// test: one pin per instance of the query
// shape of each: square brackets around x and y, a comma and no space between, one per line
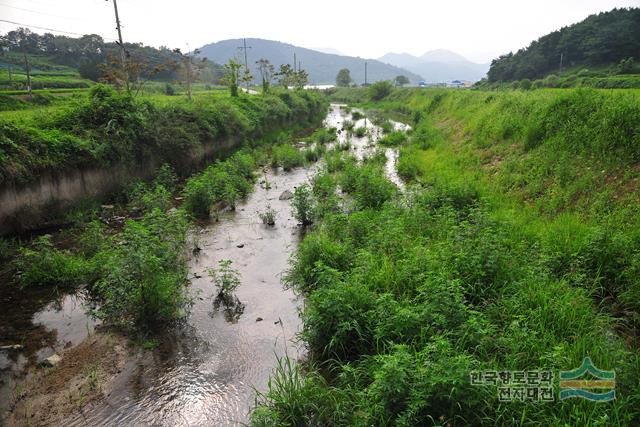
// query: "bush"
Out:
[286,156]
[143,273]
[380,90]
[223,182]
[302,205]
[393,139]
[43,264]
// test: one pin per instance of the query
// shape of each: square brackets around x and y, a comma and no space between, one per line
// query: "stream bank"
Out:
[206,370]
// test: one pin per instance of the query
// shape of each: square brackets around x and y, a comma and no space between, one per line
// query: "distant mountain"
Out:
[438,65]
[329,50]
[442,55]
[600,40]
[322,67]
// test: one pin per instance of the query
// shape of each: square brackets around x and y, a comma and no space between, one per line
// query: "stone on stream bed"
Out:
[51,361]
[286,195]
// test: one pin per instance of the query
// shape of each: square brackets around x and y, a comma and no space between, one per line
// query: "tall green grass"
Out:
[491,260]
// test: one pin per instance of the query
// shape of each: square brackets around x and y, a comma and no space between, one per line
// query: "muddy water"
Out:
[206,371]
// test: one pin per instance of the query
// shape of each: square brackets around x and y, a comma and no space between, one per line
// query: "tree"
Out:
[232,76]
[343,79]
[285,75]
[138,70]
[401,80]
[267,71]
[300,79]
[189,70]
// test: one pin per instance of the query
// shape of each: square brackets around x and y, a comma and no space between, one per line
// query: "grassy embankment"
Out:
[518,249]
[136,269]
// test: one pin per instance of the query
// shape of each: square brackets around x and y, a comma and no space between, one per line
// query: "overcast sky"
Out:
[479,30]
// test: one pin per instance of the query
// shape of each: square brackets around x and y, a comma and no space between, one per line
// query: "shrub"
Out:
[302,204]
[286,156]
[356,115]
[324,135]
[143,273]
[380,90]
[43,264]
[225,182]
[393,139]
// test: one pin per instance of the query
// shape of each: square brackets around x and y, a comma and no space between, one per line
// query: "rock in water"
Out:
[286,195]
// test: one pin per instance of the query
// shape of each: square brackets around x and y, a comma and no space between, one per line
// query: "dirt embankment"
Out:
[84,375]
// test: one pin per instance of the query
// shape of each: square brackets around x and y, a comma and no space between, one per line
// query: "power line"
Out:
[38,12]
[50,29]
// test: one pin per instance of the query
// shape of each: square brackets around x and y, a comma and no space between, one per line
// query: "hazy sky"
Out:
[479,30]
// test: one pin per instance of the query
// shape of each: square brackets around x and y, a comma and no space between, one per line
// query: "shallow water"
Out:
[206,371]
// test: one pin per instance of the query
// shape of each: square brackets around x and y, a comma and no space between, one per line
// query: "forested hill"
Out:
[89,53]
[322,67]
[600,40]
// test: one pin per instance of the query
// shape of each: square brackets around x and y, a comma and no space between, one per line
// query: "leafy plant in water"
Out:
[225,278]
[268,216]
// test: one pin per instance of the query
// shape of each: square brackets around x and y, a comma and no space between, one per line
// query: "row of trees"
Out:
[98,60]
[236,73]
[600,40]
[343,79]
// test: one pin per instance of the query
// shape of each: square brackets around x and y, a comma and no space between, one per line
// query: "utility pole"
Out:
[27,67]
[123,54]
[365,73]
[244,47]
[295,61]
[561,58]
[188,64]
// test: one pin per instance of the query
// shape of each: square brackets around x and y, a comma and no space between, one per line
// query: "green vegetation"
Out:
[302,203]
[380,90]
[225,278]
[76,62]
[286,156]
[343,79]
[393,139]
[222,182]
[517,249]
[268,216]
[107,128]
[613,39]
[360,132]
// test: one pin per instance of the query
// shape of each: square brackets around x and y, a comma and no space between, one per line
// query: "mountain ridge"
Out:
[322,67]
[438,65]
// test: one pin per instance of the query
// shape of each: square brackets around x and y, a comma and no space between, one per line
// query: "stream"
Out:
[206,371]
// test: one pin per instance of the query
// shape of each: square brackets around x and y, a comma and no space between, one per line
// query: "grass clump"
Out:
[360,132]
[286,156]
[223,182]
[393,139]
[42,264]
[268,216]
